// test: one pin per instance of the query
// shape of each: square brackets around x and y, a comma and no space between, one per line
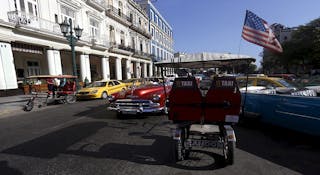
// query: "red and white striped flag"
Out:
[257,31]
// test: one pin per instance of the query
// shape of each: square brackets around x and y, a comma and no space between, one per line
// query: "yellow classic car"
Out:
[269,82]
[132,82]
[101,89]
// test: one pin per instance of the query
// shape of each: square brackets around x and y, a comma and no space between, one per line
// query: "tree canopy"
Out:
[300,54]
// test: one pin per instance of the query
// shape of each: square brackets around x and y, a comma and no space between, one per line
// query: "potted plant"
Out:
[26,87]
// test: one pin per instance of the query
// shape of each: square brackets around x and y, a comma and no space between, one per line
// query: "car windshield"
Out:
[285,83]
[97,84]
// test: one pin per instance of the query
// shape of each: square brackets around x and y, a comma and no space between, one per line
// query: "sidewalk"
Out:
[12,104]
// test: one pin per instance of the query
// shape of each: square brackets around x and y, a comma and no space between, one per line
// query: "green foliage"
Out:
[303,50]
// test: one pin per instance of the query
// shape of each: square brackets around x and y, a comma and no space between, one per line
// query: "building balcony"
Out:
[97,4]
[143,55]
[115,14]
[98,42]
[34,23]
[120,48]
[140,30]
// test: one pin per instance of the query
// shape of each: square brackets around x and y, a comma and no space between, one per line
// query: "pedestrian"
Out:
[50,84]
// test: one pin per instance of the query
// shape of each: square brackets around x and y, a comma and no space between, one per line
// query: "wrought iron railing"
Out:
[96,39]
[140,30]
[116,12]
[141,53]
[121,47]
[24,19]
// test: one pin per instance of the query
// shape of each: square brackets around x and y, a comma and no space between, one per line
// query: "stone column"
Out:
[54,62]
[145,70]
[138,70]
[105,68]
[8,78]
[156,71]
[118,69]
[128,68]
[150,69]
[85,68]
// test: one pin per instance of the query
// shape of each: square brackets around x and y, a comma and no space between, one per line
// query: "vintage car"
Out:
[132,82]
[274,100]
[269,82]
[101,89]
[150,98]
[272,85]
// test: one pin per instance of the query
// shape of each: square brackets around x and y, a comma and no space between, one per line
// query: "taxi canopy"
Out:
[205,60]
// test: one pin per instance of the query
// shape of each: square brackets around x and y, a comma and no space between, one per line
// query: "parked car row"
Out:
[104,88]
[272,85]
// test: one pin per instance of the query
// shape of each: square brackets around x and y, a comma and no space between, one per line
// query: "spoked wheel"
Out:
[70,99]
[29,106]
[228,152]
[180,152]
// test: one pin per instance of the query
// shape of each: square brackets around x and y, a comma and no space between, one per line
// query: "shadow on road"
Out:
[159,153]
[296,151]
[5,169]
[52,144]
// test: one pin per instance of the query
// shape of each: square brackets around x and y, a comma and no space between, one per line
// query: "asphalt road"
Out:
[85,138]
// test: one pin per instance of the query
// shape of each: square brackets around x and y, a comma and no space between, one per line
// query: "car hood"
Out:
[145,91]
[89,89]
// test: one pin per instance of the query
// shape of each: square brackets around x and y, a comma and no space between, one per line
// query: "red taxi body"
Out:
[145,99]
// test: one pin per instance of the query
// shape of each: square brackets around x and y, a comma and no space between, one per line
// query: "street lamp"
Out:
[66,29]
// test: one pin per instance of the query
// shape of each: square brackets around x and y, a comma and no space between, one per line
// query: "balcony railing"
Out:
[121,47]
[23,19]
[139,52]
[115,12]
[95,40]
[140,30]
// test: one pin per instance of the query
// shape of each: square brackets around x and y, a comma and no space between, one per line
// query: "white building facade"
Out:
[162,35]
[115,43]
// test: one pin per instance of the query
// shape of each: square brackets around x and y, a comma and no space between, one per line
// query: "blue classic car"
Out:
[298,113]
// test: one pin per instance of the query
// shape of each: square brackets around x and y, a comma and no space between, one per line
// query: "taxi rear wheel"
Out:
[104,95]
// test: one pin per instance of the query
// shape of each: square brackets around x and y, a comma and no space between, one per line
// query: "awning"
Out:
[205,60]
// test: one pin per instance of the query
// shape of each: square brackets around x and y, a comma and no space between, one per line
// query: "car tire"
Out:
[104,95]
[70,99]
[29,106]
[229,153]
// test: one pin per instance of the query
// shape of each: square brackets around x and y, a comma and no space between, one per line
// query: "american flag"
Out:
[257,31]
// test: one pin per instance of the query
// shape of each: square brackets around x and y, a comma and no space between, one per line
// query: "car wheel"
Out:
[29,106]
[70,99]
[104,95]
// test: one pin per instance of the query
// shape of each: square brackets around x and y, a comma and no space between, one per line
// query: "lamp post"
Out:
[66,29]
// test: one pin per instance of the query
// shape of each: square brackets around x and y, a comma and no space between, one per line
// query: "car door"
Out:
[299,113]
[118,86]
[110,87]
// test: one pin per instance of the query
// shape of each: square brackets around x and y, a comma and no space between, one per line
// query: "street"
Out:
[85,138]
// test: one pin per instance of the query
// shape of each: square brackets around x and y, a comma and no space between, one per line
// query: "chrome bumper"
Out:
[135,106]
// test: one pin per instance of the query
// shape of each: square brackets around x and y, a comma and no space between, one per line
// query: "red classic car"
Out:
[150,98]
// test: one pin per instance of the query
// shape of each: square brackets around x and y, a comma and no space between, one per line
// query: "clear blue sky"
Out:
[216,25]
